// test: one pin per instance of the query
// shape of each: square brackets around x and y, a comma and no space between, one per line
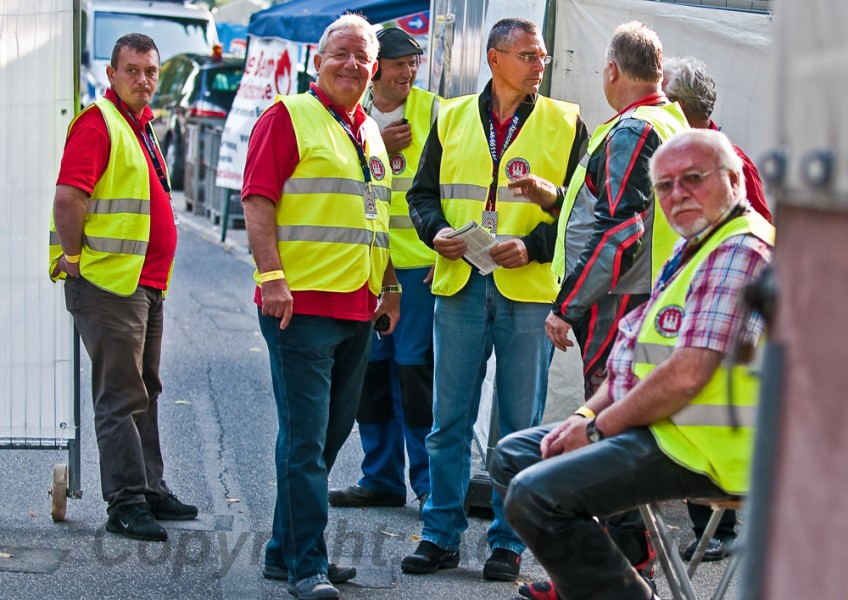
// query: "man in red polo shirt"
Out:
[316,196]
[113,242]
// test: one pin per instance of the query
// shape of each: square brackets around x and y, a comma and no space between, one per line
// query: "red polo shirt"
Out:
[84,162]
[271,159]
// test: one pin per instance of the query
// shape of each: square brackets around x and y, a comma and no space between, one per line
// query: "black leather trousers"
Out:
[551,504]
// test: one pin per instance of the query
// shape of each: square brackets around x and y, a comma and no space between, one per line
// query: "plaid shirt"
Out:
[713,317]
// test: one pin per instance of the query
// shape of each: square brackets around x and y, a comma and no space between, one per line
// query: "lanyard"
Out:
[149,144]
[496,156]
[360,151]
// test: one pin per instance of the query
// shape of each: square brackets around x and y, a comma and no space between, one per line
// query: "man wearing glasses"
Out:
[659,427]
[478,145]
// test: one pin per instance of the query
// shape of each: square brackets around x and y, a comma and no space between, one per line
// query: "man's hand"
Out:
[277,301]
[397,135]
[72,269]
[557,331]
[450,248]
[390,306]
[562,438]
[428,280]
[510,254]
[535,189]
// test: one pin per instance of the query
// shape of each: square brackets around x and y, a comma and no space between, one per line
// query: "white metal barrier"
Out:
[38,404]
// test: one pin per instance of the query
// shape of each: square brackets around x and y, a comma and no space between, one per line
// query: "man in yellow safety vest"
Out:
[659,428]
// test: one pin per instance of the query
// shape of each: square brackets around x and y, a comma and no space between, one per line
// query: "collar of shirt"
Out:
[358,112]
[146,114]
[657,98]
[485,102]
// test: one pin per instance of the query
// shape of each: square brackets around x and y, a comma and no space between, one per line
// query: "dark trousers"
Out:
[551,504]
[701,514]
[317,368]
[123,337]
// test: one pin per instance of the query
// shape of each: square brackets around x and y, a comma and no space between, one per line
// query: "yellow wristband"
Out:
[271,276]
[72,258]
[585,411]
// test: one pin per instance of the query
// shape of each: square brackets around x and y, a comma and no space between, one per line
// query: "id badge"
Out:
[370,200]
[490,221]
[174,210]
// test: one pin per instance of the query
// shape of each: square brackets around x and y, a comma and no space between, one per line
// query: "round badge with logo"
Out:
[517,168]
[669,320]
[398,163]
[378,169]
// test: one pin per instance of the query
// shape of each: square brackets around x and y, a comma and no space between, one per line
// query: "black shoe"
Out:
[356,495]
[429,558]
[335,573]
[170,508]
[502,565]
[716,550]
[135,521]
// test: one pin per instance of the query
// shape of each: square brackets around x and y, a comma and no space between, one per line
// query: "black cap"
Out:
[395,43]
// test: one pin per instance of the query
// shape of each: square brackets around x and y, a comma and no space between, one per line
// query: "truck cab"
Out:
[174,25]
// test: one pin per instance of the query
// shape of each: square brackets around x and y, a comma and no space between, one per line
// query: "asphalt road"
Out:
[218,426]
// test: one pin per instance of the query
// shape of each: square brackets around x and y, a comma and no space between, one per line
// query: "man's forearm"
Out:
[666,389]
[261,224]
[69,208]
[424,197]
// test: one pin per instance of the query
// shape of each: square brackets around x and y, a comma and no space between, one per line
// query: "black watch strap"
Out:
[593,432]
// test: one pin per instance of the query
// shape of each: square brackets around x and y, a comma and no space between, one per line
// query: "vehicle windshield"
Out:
[171,34]
[222,85]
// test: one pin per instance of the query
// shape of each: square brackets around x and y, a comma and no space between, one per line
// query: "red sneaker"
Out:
[538,590]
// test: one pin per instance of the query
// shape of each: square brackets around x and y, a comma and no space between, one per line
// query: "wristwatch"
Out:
[593,433]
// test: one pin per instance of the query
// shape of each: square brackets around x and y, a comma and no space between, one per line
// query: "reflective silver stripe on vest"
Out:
[334,185]
[400,222]
[652,354]
[506,195]
[54,238]
[339,235]
[401,184]
[714,415]
[465,191]
[135,206]
[113,246]
[503,238]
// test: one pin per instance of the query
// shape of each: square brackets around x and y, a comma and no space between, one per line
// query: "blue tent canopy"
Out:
[305,20]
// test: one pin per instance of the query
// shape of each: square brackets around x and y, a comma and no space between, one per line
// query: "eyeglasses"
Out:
[530,58]
[688,181]
[359,58]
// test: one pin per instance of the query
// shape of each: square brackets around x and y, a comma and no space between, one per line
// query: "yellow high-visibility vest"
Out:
[466,174]
[325,240]
[117,224]
[700,436]
[408,251]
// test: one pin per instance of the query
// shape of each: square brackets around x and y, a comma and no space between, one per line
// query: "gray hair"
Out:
[637,51]
[354,23]
[501,34]
[716,141]
[687,81]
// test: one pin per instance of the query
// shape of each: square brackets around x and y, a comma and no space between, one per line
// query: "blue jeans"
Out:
[467,327]
[384,436]
[317,367]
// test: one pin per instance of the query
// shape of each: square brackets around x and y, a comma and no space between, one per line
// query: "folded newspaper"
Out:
[478,242]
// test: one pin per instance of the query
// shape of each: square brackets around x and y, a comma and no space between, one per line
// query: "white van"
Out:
[174,25]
